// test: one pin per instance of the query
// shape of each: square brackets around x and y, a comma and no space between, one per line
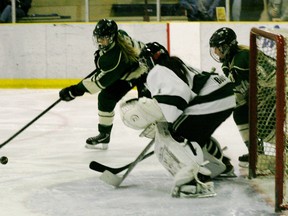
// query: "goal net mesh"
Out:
[267,98]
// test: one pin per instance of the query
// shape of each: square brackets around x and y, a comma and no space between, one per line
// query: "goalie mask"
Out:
[153,53]
[105,33]
[225,40]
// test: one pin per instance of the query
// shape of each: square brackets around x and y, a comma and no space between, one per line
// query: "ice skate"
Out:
[98,142]
[243,161]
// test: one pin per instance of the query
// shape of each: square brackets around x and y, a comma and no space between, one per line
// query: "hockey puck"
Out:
[4,160]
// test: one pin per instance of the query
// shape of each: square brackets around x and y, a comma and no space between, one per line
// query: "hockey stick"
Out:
[31,122]
[36,118]
[94,165]
[115,180]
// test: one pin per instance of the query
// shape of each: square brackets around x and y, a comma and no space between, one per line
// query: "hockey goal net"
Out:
[268,110]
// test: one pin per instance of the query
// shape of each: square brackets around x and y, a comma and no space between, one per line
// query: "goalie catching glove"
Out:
[140,113]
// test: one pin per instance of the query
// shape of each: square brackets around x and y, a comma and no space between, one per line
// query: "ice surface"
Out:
[48,170]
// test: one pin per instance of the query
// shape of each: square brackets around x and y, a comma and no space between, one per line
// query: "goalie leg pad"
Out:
[183,163]
[215,165]
[189,173]
[174,155]
[213,153]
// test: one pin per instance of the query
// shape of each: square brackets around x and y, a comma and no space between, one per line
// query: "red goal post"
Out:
[267,115]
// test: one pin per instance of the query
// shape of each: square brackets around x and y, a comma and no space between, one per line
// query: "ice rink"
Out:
[48,170]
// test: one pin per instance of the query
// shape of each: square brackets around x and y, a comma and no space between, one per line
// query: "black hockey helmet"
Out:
[224,39]
[105,29]
[153,53]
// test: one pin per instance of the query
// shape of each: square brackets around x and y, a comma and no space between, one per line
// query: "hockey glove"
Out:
[69,93]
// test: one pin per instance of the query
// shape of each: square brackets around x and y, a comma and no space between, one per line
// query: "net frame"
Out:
[280,142]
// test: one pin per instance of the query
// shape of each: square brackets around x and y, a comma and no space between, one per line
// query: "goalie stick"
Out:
[115,180]
[98,167]
[94,165]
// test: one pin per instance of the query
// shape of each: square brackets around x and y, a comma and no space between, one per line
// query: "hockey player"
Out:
[117,72]
[188,105]
[224,48]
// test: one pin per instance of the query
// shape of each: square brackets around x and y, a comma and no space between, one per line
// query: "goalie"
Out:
[186,108]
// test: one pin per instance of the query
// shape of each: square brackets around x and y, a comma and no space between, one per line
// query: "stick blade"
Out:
[97,166]
[110,178]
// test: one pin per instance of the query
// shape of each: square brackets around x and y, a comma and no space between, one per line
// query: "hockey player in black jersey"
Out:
[187,106]
[117,72]
[224,48]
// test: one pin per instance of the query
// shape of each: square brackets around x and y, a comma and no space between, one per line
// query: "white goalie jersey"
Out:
[172,97]
[175,97]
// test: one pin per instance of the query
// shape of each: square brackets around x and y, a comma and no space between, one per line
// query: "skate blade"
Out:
[98,146]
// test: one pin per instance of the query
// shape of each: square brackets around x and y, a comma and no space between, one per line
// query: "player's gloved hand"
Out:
[66,94]
[69,93]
